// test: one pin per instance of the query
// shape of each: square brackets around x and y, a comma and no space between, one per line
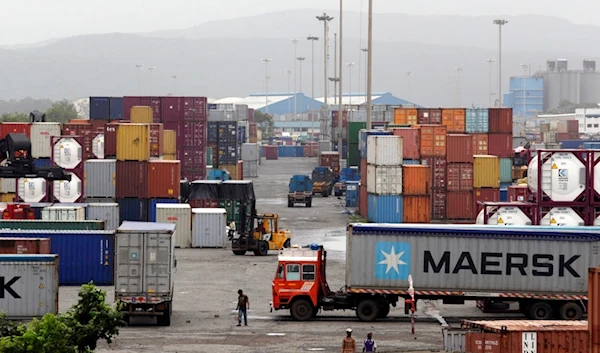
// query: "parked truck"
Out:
[346,175]
[145,270]
[300,190]
[544,269]
[322,178]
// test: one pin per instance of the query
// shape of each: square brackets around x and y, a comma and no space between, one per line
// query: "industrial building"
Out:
[588,119]
[526,96]
[380,98]
[277,103]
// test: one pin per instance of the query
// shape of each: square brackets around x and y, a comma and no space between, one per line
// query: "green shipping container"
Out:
[354,128]
[234,211]
[209,156]
[353,155]
[14,224]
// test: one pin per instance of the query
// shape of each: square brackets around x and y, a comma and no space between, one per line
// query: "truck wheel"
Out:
[263,249]
[570,311]
[290,204]
[302,310]
[384,310]
[287,244]
[309,203]
[540,311]
[239,252]
[165,319]
[367,310]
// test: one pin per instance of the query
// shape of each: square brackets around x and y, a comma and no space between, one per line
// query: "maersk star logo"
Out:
[392,260]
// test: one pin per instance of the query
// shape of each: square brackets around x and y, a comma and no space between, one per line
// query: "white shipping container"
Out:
[562,217]
[250,169]
[180,214]
[563,176]
[63,213]
[67,153]
[384,150]
[68,191]
[384,180]
[324,146]
[98,146]
[30,285]
[108,212]
[8,186]
[32,189]
[209,228]
[41,139]
[250,152]
[99,178]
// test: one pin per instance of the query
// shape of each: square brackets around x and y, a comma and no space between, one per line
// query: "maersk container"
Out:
[384,150]
[562,217]
[563,176]
[385,208]
[506,165]
[471,258]
[152,203]
[32,189]
[384,180]
[85,255]
[100,178]
[135,210]
[30,285]
[209,228]
[106,212]
[180,215]
[16,224]
[41,136]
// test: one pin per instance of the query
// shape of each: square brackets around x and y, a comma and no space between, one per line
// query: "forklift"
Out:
[264,235]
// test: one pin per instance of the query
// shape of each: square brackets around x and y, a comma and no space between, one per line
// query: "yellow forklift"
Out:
[265,235]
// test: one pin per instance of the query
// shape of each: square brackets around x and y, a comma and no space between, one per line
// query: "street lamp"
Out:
[408,75]
[139,67]
[267,61]
[500,23]
[458,71]
[301,59]
[335,81]
[370,66]
[350,66]
[341,63]
[313,39]
[325,19]
[491,62]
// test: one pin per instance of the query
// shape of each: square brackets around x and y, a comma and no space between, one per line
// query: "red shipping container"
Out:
[480,144]
[250,115]
[459,148]
[438,204]
[334,117]
[85,132]
[460,205]
[15,128]
[110,140]
[98,125]
[164,179]
[562,136]
[156,140]
[195,109]
[459,176]
[363,207]
[329,159]
[271,152]
[501,145]
[311,150]
[24,245]
[363,171]
[132,179]
[484,195]
[433,141]
[252,130]
[573,126]
[438,171]
[198,174]
[518,193]
[410,142]
[573,136]
[192,159]
[204,203]
[429,116]
[240,170]
[171,109]
[153,102]
[501,120]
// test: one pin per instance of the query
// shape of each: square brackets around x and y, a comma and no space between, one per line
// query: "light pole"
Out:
[491,62]
[525,68]
[295,41]
[365,50]
[335,81]
[325,19]
[500,23]
[341,65]
[139,67]
[151,69]
[174,84]
[300,59]
[408,75]
[289,75]
[350,66]
[313,39]
[267,61]
[370,66]
[458,71]
[335,75]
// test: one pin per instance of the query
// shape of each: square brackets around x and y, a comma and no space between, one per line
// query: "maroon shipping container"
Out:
[501,145]
[411,142]
[334,118]
[24,245]
[198,174]
[562,136]
[438,171]
[98,125]
[251,129]
[573,136]
[195,109]
[501,120]
[438,204]
[171,109]
[484,195]
[329,159]
[153,102]
[204,203]
[459,177]
[132,179]
[363,171]
[86,134]
[215,153]
[194,134]
[193,159]
[156,140]
[363,205]
[459,205]
[271,152]
[573,126]
[251,115]
[429,116]
[311,150]
[110,140]
[164,179]
[459,148]
[518,193]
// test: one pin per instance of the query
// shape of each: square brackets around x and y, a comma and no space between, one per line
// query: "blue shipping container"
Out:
[116,108]
[573,144]
[152,207]
[83,256]
[352,193]
[503,195]
[385,208]
[300,183]
[344,154]
[506,165]
[287,151]
[591,145]
[135,210]
[477,121]
[42,162]
[362,143]
[241,134]
[299,151]
[99,108]
[411,161]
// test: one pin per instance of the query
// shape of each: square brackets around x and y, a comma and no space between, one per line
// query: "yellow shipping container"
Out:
[486,171]
[7,197]
[133,142]
[231,168]
[141,115]
[169,157]
[405,116]
[170,141]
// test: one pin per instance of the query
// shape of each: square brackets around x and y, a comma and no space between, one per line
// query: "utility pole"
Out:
[174,84]
[341,66]
[491,62]
[151,69]
[313,39]
[350,66]
[335,75]
[365,51]
[267,61]
[325,19]
[301,59]
[370,67]
[500,23]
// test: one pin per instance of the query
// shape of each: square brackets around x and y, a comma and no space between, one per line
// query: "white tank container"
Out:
[562,216]
[492,218]
[563,177]
[68,153]
[41,139]
[8,185]
[98,146]
[32,189]
[384,150]
[209,228]
[384,180]
[181,215]
[63,213]
[68,191]
[511,216]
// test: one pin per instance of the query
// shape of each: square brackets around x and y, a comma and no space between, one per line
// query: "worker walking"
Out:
[370,345]
[242,307]
[349,344]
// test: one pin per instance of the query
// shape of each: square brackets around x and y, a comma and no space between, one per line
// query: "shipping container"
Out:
[438,204]
[501,145]
[363,201]
[250,169]
[68,153]
[209,228]
[131,179]
[384,150]
[163,179]
[459,176]
[438,171]
[63,213]
[250,152]
[141,115]
[181,215]
[31,282]
[27,246]
[416,209]
[156,140]
[459,148]
[12,197]
[169,157]
[100,178]
[8,186]
[170,141]
[84,131]
[116,108]
[110,140]
[384,180]
[484,195]
[41,135]
[459,205]
[477,121]
[15,128]
[506,166]
[405,116]
[486,172]
[385,208]
[154,102]
[454,120]
[518,193]
[32,189]
[416,180]
[107,212]
[411,142]
[433,141]
[133,209]
[362,143]
[429,116]
[171,109]
[38,224]
[501,120]
[153,203]
[99,108]
[354,128]
[133,142]
[480,144]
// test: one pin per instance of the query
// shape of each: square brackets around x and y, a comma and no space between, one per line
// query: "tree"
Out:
[14,117]
[566,107]
[265,123]
[61,112]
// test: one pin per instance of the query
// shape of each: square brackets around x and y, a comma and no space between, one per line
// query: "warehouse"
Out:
[378,98]
[278,103]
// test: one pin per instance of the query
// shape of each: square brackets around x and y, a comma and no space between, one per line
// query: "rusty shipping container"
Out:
[433,141]
[459,148]
[438,204]
[429,116]
[518,193]
[131,179]
[24,245]
[454,120]
[110,140]
[133,142]
[86,135]
[459,177]
[501,145]
[163,179]
[484,195]
[416,180]
[416,209]
[411,142]
[501,120]
[459,205]
[438,171]
[405,116]
[156,140]
[480,144]
[15,128]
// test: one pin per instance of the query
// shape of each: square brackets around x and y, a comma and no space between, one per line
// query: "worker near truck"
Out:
[370,345]
[349,344]
[242,307]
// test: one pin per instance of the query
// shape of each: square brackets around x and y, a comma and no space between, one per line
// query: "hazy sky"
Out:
[26,21]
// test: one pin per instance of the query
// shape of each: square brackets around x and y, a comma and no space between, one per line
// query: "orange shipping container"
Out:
[405,116]
[417,209]
[454,120]
[163,179]
[416,180]
[480,144]
[433,141]
[24,245]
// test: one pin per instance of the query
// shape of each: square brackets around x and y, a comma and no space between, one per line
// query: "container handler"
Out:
[300,191]
[322,178]
[264,236]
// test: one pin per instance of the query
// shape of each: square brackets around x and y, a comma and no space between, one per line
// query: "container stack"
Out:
[223,140]
[353,157]
[343,130]
[459,177]
[332,160]
[433,154]
[68,153]
[362,168]
[250,157]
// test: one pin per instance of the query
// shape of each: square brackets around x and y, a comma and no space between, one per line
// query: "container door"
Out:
[157,263]
[129,263]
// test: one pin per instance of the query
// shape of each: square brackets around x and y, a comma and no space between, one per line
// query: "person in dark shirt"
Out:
[242,307]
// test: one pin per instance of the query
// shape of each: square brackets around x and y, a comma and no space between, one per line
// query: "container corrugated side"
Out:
[410,142]
[181,215]
[384,180]
[30,285]
[141,115]
[459,148]
[433,141]
[100,178]
[459,177]
[486,171]
[416,209]
[209,228]
[170,141]
[85,255]
[459,205]
[385,208]
[506,165]
[33,224]
[484,195]
[163,179]
[433,259]
[41,135]
[26,246]
[384,150]
[131,179]
[63,213]
[107,212]
[133,142]
[133,209]
[480,144]
[416,179]
[152,203]
[477,121]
